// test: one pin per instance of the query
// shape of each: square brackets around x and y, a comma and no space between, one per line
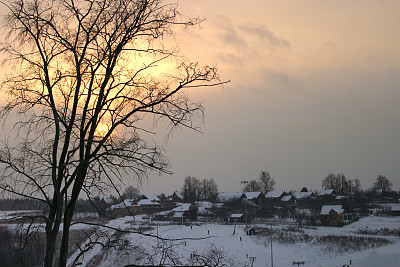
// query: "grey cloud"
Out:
[262,32]
[229,33]
[237,35]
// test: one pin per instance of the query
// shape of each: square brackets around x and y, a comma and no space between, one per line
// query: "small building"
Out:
[396,210]
[148,206]
[288,202]
[332,215]
[251,231]
[236,217]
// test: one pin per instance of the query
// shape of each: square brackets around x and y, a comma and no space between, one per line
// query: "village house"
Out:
[332,215]
[256,197]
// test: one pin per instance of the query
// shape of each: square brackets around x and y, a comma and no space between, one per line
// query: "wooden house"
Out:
[332,215]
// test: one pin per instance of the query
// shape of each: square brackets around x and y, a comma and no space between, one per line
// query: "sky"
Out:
[314,89]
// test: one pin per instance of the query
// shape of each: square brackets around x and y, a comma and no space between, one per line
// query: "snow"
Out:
[286,198]
[326,192]
[275,194]
[151,197]
[148,202]
[252,195]
[183,207]
[234,241]
[123,204]
[229,196]
[302,195]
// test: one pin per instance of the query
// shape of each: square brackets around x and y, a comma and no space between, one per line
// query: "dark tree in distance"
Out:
[267,183]
[131,192]
[190,189]
[208,189]
[84,78]
[339,183]
[382,183]
[252,186]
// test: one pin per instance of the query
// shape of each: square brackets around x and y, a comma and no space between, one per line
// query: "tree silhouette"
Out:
[85,76]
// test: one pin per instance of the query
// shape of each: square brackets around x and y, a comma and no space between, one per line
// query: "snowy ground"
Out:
[243,247]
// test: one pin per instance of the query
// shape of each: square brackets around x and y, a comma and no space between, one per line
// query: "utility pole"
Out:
[245,202]
[245,210]
[272,257]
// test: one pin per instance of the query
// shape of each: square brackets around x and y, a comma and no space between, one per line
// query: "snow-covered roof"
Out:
[395,207]
[236,215]
[148,202]
[252,195]
[203,211]
[326,192]
[151,197]
[178,194]
[326,209]
[341,197]
[123,204]
[302,195]
[229,196]
[286,198]
[205,204]
[183,207]
[275,194]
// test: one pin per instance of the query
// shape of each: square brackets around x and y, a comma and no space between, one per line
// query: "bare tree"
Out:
[191,189]
[209,189]
[252,186]
[84,78]
[131,192]
[267,183]
[337,182]
[382,183]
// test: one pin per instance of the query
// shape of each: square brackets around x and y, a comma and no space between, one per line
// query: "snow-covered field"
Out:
[243,248]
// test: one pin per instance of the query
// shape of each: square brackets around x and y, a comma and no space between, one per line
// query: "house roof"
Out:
[148,202]
[326,192]
[286,198]
[205,204]
[178,194]
[252,195]
[229,196]
[275,194]
[236,215]
[203,211]
[150,197]
[303,195]
[325,210]
[396,207]
[182,207]
[123,204]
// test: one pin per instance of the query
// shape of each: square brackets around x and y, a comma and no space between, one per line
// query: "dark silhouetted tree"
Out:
[252,186]
[83,76]
[382,183]
[267,183]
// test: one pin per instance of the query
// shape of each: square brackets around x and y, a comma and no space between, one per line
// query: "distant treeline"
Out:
[7,204]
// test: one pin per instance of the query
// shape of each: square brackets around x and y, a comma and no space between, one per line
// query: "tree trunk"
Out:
[52,227]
